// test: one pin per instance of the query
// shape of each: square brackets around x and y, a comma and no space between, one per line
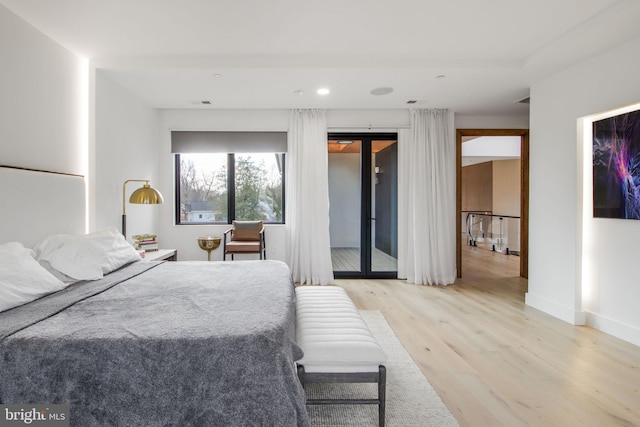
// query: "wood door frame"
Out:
[524,191]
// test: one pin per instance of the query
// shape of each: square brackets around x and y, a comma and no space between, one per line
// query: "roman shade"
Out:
[228,142]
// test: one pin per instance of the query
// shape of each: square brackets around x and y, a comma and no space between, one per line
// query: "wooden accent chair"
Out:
[245,237]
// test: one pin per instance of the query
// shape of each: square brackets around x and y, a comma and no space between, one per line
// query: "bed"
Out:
[160,343]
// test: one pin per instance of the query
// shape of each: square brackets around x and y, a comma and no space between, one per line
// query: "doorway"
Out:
[363,200]
[524,191]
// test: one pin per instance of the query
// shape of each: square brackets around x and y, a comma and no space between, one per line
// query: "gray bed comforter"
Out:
[161,344]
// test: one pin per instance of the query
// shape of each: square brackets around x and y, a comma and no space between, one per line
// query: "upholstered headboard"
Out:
[35,204]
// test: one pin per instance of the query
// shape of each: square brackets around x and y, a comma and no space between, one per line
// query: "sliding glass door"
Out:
[363,183]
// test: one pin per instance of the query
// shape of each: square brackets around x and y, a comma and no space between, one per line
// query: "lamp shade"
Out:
[146,196]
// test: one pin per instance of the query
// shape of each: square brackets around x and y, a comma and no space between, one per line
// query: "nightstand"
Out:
[161,255]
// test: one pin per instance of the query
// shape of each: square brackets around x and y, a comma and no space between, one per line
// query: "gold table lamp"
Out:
[146,195]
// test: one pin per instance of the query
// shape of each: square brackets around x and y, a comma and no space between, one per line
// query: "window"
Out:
[222,176]
[220,187]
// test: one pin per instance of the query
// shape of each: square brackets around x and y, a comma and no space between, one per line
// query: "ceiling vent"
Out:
[411,101]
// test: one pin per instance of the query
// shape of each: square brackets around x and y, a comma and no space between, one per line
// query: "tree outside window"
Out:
[220,187]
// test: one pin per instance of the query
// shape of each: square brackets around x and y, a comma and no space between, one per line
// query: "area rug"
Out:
[411,401]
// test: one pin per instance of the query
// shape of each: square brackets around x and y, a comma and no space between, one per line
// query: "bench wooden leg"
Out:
[382,394]
[380,378]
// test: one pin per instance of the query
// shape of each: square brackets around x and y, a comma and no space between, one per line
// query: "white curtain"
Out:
[307,198]
[426,199]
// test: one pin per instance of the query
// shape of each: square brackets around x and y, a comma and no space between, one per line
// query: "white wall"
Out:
[389,120]
[344,200]
[184,237]
[556,251]
[126,146]
[520,121]
[42,100]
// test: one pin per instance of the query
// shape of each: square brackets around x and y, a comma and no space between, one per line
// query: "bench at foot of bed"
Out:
[338,346]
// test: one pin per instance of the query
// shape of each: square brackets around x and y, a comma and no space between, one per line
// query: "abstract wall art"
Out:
[616,166]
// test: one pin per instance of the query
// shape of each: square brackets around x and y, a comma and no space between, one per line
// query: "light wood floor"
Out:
[496,362]
[348,259]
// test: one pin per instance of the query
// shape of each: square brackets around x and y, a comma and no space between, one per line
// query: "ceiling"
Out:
[489,148]
[276,54]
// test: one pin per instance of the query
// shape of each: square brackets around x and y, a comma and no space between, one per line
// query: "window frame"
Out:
[231,192]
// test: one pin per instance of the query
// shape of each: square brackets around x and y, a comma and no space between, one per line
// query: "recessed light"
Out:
[217,75]
[345,142]
[323,91]
[441,76]
[411,101]
[205,102]
[298,92]
[381,91]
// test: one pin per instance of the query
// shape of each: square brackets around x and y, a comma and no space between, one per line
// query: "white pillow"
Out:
[92,256]
[22,279]
[47,247]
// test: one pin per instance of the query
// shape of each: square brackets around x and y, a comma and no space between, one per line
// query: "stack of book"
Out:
[146,242]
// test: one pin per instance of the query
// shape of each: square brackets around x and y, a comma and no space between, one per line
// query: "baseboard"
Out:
[614,327]
[554,309]
[605,324]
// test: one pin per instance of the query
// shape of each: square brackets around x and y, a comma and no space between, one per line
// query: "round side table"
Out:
[209,244]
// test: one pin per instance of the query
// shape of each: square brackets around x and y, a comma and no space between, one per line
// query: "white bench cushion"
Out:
[332,334]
